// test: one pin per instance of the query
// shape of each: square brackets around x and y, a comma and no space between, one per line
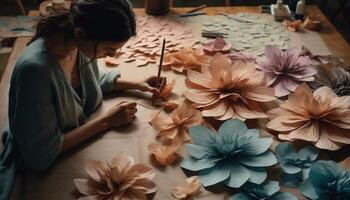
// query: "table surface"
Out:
[334,41]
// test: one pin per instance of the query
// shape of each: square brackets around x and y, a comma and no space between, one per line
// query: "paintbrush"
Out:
[159,71]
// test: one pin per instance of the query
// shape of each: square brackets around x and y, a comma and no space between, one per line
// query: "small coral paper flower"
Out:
[321,118]
[235,155]
[175,127]
[190,189]
[118,179]
[224,90]
[286,70]
[327,180]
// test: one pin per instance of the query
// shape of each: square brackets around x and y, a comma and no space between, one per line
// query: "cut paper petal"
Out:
[166,92]
[175,126]
[165,154]
[223,156]
[268,190]
[186,59]
[217,45]
[224,90]
[285,70]
[189,190]
[118,179]
[170,106]
[293,26]
[111,61]
[321,118]
[327,180]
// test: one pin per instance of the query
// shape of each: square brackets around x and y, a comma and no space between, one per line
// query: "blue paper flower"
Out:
[295,165]
[327,181]
[234,155]
[268,190]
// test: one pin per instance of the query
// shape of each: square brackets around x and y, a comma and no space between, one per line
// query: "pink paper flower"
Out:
[225,91]
[217,45]
[286,70]
[118,179]
[175,127]
[321,118]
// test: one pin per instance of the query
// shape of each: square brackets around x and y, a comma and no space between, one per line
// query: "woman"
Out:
[56,85]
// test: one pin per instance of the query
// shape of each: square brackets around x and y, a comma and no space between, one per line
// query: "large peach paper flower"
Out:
[175,127]
[321,118]
[224,90]
[118,179]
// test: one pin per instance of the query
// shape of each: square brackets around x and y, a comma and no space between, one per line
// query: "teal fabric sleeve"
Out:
[32,116]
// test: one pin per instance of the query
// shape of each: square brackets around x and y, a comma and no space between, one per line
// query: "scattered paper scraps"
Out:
[145,47]
[248,37]
[185,59]
[165,154]
[111,61]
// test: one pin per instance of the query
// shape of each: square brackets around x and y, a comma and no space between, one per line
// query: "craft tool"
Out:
[239,19]
[213,34]
[197,8]
[192,14]
[159,70]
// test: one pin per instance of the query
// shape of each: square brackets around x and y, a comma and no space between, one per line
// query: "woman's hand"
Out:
[121,114]
[146,85]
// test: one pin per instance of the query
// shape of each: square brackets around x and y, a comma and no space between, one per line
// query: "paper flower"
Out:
[235,155]
[190,189]
[321,118]
[185,59]
[225,91]
[120,178]
[320,60]
[269,190]
[170,106]
[293,26]
[217,45]
[165,154]
[165,93]
[176,125]
[295,165]
[286,70]
[336,78]
[327,180]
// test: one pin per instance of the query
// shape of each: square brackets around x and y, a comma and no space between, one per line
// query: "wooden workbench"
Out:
[334,41]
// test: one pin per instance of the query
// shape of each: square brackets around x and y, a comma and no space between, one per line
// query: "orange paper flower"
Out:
[225,91]
[118,179]
[321,118]
[165,154]
[185,59]
[175,127]
[166,91]
[191,188]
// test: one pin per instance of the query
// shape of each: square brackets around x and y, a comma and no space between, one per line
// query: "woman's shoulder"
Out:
[33,60]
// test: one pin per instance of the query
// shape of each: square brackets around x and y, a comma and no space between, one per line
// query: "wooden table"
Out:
[335,42]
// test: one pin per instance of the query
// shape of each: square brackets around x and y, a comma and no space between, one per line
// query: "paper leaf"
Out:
[111,61]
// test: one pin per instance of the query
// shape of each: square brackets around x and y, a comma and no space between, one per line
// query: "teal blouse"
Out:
[43,106]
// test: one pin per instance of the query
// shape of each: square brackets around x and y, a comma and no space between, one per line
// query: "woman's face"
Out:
[93,49]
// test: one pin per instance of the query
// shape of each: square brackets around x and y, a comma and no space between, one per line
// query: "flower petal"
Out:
[255,148]
[214,175]
[309,132]
[193,164]
[263,160]
[232,127]
[238,175]
[257,174]
[200,135]
[95,169]
[197,151]
[82,185]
